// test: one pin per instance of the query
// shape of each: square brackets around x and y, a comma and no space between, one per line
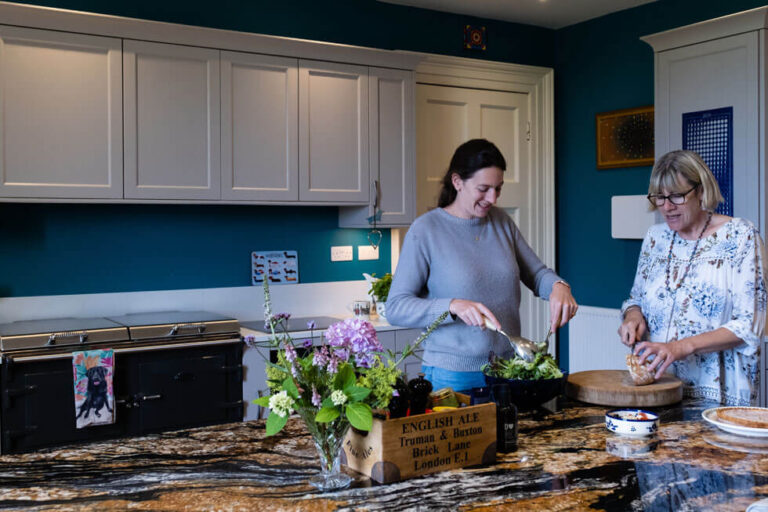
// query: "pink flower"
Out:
[316,400]
[290,353]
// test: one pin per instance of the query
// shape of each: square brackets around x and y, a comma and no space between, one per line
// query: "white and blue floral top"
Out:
[725,287]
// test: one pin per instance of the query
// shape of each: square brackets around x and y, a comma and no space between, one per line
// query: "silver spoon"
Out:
[523,347]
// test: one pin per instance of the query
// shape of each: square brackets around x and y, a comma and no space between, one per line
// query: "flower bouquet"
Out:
[331,386]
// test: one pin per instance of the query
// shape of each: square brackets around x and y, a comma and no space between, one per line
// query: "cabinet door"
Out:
[392,164]
[259,127]
[333,132]
[172,125]
[61,132]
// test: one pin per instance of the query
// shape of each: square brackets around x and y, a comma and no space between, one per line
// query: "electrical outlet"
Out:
[366,252]
[341,253]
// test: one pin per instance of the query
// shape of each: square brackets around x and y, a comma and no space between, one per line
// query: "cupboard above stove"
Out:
[132,110]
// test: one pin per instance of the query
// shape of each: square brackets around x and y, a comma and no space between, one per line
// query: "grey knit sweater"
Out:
[482,259]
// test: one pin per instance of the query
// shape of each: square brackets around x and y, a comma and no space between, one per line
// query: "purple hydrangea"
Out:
[356,336]
[342,354]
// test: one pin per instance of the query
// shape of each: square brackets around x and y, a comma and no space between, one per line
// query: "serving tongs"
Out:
[524,348]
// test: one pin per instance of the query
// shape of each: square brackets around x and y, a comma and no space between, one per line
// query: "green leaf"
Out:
[360,416]
[327,414]
[357,393]
[345,377]
[262,401]
[275,423]
[290,387]
[328,402]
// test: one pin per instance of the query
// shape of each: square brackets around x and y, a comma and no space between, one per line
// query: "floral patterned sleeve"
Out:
[641,275]
[749,292]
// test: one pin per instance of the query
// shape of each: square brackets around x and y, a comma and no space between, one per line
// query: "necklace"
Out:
[685,272]
[690,261]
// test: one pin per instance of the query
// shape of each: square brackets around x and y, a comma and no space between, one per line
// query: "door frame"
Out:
[538,83]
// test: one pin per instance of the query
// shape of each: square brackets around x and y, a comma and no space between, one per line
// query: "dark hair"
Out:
[468,158]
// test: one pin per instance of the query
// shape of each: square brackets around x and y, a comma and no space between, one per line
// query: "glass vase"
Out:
[328,439]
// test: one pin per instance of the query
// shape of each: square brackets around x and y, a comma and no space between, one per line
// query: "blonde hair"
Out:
[688,165]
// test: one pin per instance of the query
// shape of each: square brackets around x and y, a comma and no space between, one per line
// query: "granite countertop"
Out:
[566,460]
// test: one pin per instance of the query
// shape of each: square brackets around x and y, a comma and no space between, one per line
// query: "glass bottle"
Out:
[420,389]
[506,419]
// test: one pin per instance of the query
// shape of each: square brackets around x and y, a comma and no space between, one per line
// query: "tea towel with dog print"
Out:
[94,394]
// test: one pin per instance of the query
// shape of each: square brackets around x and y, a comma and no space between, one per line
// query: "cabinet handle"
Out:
[375,186]
[81,335]
[144,398]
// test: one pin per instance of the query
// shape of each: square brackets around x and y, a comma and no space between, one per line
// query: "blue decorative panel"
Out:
[710,134]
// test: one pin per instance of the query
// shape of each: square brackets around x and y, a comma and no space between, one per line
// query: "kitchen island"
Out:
[566,460]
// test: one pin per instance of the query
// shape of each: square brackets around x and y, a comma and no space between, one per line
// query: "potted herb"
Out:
[380,291]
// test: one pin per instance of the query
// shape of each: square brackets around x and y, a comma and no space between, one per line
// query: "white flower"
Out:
[338,397]
[281,404]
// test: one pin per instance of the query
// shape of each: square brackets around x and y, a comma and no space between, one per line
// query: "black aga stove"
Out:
[171,370]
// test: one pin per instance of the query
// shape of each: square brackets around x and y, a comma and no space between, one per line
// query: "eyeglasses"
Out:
[658,199]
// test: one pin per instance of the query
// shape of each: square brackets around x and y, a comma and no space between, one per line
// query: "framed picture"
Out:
[624,138]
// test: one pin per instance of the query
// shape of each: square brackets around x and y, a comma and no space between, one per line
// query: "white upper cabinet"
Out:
[172,122]
[333,132]
[259,127]
[60,115]
[391,135]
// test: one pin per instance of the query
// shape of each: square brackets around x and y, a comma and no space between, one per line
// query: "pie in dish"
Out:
[639,372]
[755,417]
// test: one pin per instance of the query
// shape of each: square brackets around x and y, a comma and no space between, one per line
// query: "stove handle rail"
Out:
[54,337]
[177,329]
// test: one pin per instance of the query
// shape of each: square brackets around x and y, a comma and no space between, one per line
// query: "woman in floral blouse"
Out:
[699,293]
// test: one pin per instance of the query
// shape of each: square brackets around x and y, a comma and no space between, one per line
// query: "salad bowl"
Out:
[531,384]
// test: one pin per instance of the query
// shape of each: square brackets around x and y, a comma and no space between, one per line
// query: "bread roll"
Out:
[639,372]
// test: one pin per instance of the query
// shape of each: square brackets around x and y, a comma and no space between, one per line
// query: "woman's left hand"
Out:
[664,355]
[562,305]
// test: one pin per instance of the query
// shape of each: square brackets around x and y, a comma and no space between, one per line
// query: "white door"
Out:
[61,120]
[259,127]
[448,116]
[172,122]
[710,75]
[333,132]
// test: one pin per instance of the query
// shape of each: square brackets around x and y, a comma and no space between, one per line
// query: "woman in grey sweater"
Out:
[468,257]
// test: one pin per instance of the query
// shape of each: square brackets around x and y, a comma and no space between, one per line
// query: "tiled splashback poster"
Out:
[282,267]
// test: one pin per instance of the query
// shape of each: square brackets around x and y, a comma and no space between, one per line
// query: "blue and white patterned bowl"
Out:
[632,422]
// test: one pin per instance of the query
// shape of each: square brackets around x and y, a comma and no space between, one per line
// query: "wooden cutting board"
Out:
[615,387]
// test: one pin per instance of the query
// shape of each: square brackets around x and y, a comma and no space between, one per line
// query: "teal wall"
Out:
[601,65]
[67,249]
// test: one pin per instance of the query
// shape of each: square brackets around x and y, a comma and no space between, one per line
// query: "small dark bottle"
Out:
[398,405]
[506,419]
[420,389]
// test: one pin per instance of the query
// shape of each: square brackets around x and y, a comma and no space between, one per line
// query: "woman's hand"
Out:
[633,328]
[665,354]
[562,305]
[472,313]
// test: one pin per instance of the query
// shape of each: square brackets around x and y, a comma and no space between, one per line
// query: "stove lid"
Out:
[58,332]
[296,324]
[174,324]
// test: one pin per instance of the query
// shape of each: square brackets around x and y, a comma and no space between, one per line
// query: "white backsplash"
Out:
[242,302]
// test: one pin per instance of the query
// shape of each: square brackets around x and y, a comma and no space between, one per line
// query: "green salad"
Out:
[542,367]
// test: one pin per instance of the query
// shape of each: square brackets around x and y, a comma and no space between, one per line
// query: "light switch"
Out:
[367,252]
[341,253]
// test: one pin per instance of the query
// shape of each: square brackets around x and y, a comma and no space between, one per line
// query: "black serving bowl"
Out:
[529,394]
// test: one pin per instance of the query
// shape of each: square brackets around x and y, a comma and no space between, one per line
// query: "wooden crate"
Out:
[402,448]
